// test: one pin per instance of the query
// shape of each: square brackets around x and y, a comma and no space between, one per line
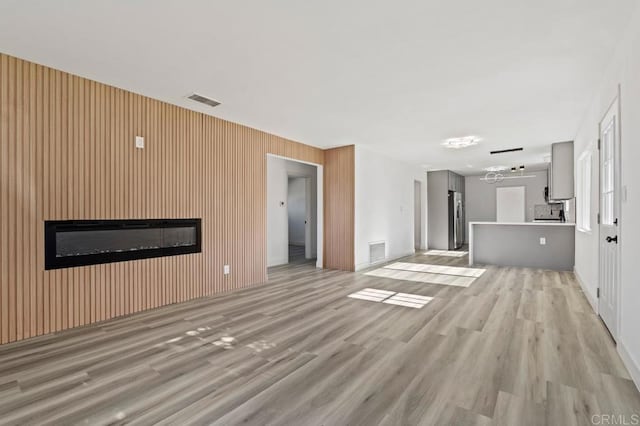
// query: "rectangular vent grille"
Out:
[204,100]
[377,251]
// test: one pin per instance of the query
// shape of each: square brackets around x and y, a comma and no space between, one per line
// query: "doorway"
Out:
[298,218]
[609,228]
[294,211]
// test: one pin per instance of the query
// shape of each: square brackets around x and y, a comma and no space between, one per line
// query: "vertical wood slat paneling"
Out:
[339,208]
[67,152]
[4,200]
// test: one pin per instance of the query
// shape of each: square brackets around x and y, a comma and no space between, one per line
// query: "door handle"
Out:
[612,239]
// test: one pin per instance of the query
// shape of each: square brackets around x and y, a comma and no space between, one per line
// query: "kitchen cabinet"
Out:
[561,172]
[455,182]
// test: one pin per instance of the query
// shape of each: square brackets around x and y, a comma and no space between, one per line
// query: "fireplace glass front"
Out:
[81,243]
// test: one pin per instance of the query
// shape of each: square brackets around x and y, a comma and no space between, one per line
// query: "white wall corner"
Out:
[591,298]
[386,186]
[629,362]
[278,261]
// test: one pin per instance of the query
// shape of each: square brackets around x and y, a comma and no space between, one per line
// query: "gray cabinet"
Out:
[438,209]
[561,172]
[455,182]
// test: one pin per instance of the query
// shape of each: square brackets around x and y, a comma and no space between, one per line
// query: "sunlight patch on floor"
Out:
[422,277]
[261,345]
[392,298]
[371,294]
[437,269]
[226,342]
[407,299]
[450,253]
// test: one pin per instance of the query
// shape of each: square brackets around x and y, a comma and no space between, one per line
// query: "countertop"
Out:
[525,223]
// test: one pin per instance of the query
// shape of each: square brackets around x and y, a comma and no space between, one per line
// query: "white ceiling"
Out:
[399,77]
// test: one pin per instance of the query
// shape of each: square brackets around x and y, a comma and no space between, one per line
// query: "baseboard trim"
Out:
[590,298]
[362,266]
[630,363]
[278,262]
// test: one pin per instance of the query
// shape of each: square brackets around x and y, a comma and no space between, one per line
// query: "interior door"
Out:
[608,303]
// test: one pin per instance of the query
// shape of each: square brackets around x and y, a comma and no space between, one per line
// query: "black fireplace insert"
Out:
[70,243]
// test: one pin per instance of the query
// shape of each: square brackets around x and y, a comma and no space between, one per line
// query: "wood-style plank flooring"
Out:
[515,347]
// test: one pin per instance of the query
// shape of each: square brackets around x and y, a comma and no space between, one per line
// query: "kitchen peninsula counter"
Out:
[541,245]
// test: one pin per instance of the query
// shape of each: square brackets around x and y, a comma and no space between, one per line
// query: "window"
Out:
[607,178]
[583,202]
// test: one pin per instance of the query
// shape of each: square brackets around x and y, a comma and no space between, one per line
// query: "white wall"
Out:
[278,172]
[384,206]
[297,210]
[624,71]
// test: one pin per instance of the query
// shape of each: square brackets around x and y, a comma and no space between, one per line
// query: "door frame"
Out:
[615,103]
[319,204]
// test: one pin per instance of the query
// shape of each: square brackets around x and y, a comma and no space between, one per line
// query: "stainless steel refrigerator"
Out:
[456,220]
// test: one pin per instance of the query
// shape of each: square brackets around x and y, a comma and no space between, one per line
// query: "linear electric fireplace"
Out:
[71,243]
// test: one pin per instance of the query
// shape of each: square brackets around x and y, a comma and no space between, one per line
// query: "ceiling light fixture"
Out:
[496,169]
[504,151]
[495,176]
[463,142]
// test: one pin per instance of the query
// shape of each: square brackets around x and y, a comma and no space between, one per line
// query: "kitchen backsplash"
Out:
[548,211]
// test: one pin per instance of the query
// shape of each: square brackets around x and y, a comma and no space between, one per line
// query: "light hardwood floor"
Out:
[515,347]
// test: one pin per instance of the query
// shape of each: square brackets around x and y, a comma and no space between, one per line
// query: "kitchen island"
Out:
[541,245]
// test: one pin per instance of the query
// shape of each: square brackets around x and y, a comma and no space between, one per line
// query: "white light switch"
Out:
[139,142]
[227,269]
[543,241]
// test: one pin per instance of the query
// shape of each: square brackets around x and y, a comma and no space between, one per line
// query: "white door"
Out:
[510,204]
[609,213]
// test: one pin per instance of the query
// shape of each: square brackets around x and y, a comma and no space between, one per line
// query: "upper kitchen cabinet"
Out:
[456,182]
[561,172]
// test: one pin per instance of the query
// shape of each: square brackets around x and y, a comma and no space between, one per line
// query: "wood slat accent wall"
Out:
[339,208]
[67,152]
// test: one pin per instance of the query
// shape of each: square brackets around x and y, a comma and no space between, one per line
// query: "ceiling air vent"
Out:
[204,100]
[504,151]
